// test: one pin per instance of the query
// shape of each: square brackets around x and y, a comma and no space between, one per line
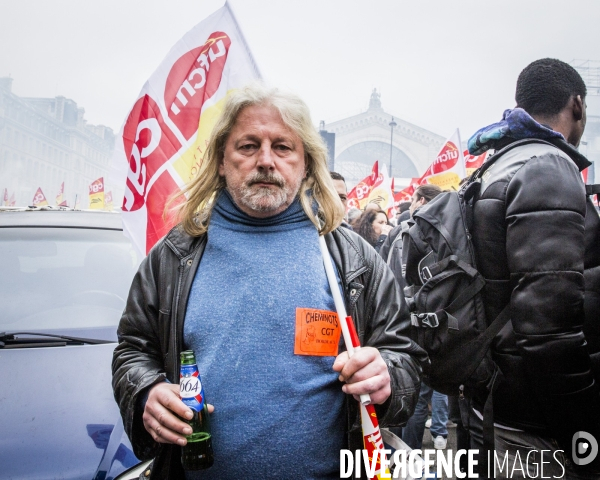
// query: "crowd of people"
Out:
[386,237]
[232,281]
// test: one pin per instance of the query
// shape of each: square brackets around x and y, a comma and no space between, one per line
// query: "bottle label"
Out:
[190,387]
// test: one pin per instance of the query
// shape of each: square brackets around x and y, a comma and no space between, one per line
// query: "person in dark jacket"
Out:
[241,281]
[536,243]
[402,212]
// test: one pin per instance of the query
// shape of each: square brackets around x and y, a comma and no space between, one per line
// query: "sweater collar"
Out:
[226,211]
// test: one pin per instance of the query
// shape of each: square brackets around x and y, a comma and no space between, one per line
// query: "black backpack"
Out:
[443,294]
[443,291]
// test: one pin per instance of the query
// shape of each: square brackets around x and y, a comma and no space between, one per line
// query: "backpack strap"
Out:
[592,189]
[489,443]
[437,268]
[494,158]
[432,320]
[488,407]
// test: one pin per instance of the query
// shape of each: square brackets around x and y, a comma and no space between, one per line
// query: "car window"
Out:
[64,279]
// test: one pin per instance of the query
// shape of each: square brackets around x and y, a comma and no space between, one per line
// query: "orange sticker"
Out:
[317,332]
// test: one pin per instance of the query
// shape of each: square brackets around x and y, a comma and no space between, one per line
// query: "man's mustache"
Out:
[266,178]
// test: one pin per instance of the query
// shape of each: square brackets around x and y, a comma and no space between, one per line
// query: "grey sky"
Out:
[438,64]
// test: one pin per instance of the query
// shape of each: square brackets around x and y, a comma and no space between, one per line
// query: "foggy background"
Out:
[436,64]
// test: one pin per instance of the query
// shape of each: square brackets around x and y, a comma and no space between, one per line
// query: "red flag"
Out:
[96,194]
[473,162]
[448,169]
[359,195]
[39,199]
[12,202]
[406,194]
[6,196]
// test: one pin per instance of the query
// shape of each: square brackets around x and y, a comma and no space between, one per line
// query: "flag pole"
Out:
[348,330]
[241,34]
[372,438]
[461,157]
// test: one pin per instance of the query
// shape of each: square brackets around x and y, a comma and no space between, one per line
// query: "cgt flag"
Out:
[12,202]
[448,169]
[39,199]
[383,194]
[59,198]
[161,144]
[376,188]
[473,162]
[358,197]
[405,195]
[97,194]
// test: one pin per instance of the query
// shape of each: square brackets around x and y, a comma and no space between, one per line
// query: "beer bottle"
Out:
[198,452]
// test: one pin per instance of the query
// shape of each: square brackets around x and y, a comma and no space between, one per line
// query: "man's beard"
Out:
[266,199]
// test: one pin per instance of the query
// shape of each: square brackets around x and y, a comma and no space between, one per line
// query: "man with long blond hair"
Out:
[240,281]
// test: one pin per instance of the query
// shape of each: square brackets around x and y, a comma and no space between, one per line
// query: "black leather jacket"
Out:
[151,334]
[537,245]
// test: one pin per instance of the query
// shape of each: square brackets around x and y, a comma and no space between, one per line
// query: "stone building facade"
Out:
[47,141]
[590,142]
[361,139]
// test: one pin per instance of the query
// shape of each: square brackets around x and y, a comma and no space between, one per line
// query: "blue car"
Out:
[64,280]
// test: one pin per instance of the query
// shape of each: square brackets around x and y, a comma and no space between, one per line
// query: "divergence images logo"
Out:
[585,448]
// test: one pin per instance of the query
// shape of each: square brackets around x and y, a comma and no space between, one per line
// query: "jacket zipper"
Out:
[174,325]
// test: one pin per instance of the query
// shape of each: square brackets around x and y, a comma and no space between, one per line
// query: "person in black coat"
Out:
[536,244]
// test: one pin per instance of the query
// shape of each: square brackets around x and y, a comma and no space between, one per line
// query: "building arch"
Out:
[368,151]
[362,139]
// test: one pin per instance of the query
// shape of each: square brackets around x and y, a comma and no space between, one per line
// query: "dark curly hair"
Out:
[365,226]
[545,86]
